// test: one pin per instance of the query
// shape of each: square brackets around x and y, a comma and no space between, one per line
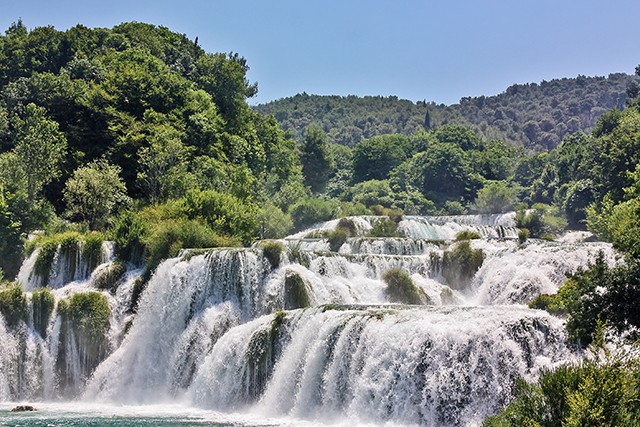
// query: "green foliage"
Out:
[13,305]
[296,291]
[523,235]
[93,193]
[40,148]
[128,232]
[541,219]
[467,235]
[43,303]
[224,213]
[375,158]
[272,251]
[400,288]
[494,197]
[537,116]
[70,241]
[316,158]
[461,264]
[273,223]
[385,227]
[309,211]
[89,312]
[599,391]
[169,236]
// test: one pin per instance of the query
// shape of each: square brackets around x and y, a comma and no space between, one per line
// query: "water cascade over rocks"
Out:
[320,337]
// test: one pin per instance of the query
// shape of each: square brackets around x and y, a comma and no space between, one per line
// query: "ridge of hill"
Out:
[534,115]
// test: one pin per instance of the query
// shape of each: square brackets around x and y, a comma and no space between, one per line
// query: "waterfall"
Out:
[315,338]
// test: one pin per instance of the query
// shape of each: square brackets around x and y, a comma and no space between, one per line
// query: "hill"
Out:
[536,116]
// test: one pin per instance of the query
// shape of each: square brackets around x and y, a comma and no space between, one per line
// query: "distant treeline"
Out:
[536,116]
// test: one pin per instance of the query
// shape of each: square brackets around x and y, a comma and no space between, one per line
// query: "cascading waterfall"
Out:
[315,337]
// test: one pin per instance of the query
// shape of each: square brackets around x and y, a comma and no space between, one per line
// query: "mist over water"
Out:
[315,339]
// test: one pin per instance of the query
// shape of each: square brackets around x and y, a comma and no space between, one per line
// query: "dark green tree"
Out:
[316,159]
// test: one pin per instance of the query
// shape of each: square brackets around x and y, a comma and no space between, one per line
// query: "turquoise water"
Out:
[80,415]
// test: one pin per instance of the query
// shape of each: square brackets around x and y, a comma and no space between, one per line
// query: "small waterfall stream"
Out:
[314,338]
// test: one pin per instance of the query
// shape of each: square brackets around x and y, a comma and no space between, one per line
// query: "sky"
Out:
[433,50]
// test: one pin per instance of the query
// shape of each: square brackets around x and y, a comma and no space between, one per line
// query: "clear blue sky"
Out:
[436,50]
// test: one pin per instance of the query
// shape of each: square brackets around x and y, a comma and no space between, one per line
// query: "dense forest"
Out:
[536,116]
[135,134]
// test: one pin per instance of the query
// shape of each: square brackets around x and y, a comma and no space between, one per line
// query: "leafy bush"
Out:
[129,233]
[13,304]
[69,242]
[385,227]
[523,235]
[223,213]
[43,303]
[348,225]
[400,288]
[168,237]
[273,223]
[467,235]
[599,391]
[272,251]
[460,264]
[540,219]
[311,211]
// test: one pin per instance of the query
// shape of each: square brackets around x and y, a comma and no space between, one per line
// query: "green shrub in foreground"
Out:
[43,303]
[461,264]
[467,235]
[600,391]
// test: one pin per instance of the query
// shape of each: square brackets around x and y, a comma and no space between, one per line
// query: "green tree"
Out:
[376,157]
[316,158]
[164,165]
[495,197]
[40,148]
[94,192]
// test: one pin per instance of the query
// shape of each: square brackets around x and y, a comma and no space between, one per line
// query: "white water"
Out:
[204,332]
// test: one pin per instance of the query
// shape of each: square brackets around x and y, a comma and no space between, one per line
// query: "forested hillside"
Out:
[536,116]
[133,130]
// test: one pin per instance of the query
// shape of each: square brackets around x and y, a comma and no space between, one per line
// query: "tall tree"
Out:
[317,161]
[40,148]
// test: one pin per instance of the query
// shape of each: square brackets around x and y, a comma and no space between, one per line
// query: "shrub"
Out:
[385,227]
[337,238]
[223,213]
[467,235]
[311,211]
[460,264]
[523,235]
[168,237]
[599,391]
[400,288]
[128,232]
[540,219]
[43,303]
[13,304]
[272,251]
[273,223]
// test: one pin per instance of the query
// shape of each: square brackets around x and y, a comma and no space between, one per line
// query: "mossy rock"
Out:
[461,264]
[296,291]
[272,250]
[13,305]
[337,238]
[110,276]
[401,289]
[43,303]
